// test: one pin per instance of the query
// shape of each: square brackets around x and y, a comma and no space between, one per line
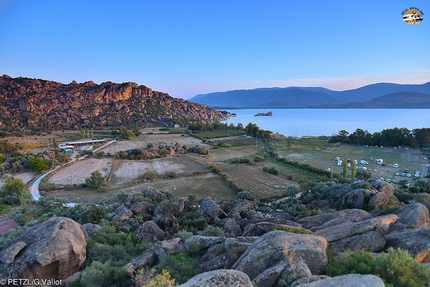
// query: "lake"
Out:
[317,122]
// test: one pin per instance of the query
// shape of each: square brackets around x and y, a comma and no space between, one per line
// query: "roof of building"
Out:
[85,142]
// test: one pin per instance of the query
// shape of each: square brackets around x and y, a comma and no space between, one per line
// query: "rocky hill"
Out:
[36,103]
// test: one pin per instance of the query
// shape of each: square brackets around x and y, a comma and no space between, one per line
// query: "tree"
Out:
[39,165]
[16,188]
[123,132]
[345,168]
[96,180]
[82,132]
[353,170]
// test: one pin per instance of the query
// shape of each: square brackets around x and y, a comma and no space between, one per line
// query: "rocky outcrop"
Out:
[368,234]
[414,214]
[142,207]
[415,240]
[375,193]
[36,103]
[242,206]
[52,249]
[153,193]
[326,220]
[351,280]
[269,249]
[149,231]
[219,278]
[210,208]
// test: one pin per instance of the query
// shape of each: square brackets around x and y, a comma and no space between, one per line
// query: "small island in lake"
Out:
[269,114]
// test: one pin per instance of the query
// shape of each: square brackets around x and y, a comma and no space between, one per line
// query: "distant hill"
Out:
[42,104]
[406,96]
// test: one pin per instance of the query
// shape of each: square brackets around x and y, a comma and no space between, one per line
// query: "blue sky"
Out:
[186,48]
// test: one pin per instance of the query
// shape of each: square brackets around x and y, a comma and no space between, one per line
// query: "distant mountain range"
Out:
[381,95]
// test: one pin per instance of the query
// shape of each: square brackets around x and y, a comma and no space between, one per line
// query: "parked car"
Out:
[395,165]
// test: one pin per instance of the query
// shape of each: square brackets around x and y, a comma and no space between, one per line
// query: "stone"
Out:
[350,280]
[167,247]
[167,222]
[415,240]
[414,214]
[153,193]
[325,220]
[167,208]
[149,227]
[371,241]
[52,249]
[243,205]
[142,207]
[123,212]
[231,227]
[206,241]
[145,261]
[209,207]
[273,246]
[90,228]
[219,278]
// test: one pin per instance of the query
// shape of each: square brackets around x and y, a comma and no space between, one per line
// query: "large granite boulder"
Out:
[52,249]
[153,193]
[122,212]
[274,246]
[367,234]
[219,278]
[350,280]
[414,214]
[415,240]
[242,206]
[142,207]
[149,231]
[210,208]
[325,220]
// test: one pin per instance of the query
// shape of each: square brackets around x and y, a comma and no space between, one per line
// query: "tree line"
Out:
[387,137]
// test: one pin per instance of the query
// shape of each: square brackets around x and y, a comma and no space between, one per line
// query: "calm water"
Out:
[316,122]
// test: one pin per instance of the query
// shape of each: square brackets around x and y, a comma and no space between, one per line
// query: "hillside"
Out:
[35,103]
[317,97]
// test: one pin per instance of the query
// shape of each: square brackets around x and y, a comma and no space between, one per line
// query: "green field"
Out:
[218,134]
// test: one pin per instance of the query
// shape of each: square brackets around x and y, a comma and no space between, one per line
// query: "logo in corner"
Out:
[412,16]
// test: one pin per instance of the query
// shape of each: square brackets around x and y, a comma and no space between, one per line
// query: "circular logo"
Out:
[2,281]
[412,16]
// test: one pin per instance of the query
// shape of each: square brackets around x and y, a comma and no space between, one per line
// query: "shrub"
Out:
[104,275]
[180,267]
[171,174]
[149,176]
[243,195]
[396,267]
[149,279]
[96,180]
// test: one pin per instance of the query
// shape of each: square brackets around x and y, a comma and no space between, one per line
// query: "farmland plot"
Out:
[253,179]
[129,170]
[155,139]
[77,172]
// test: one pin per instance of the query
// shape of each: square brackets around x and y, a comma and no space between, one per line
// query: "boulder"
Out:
[258,219]
[270,276]
[52,249]
[219,278]
[209,207]
[235,242]
[243,205]
[148,227]
[205,241]
[167,247]
[153,193]
[145,261]
[91,228]
[261,228]
[272,247]
[350,280]
[295,270]
[231,227]
[167,222]
[322,221]
[371,241]
[414,214]
[415,240]
[123,212]
[142,207]
[166,207]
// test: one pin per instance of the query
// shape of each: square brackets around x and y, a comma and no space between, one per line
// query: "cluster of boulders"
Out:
[375,193]
[260,250]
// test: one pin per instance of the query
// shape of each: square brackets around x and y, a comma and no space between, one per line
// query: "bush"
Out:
[180,266]
[149,176]
[149,279]
[396,267]
[96,180]
[104,275]
[171,174]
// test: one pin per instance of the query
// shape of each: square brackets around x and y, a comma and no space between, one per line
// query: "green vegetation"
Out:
[39,165]
[396,268]
[96,180]
[218,134]
[14,191]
